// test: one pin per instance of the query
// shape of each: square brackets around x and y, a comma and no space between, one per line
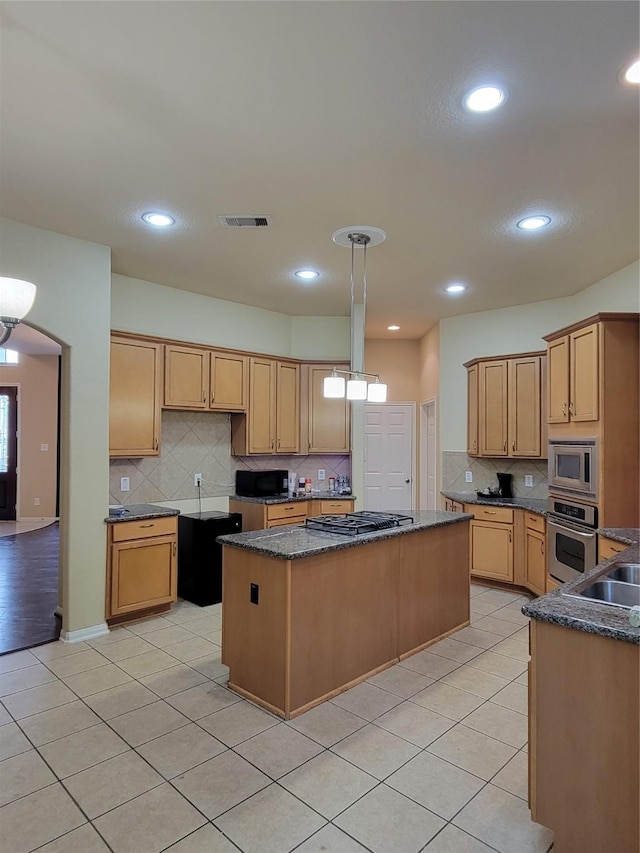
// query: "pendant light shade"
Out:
[377,392]
[334,386]
[16,299]
[357,389]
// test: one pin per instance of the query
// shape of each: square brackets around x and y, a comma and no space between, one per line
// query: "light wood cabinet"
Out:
[584,748]
[328,421]
[203,379]
[609,548]
[505,406]
[334,506]
[272,422]
[141,567]
[573,376]
[258,516]
[135,388]
[453,506]
[491,550]
[535,561]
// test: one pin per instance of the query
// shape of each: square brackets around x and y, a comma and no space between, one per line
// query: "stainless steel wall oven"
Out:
[571,538]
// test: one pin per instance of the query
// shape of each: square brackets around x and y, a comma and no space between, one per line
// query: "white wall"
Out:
[512,330]
[72,306]
[153,309]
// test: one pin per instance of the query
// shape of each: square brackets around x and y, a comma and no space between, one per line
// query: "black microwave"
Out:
[262,484]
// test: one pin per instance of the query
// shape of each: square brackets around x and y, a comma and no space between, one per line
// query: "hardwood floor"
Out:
[29,589]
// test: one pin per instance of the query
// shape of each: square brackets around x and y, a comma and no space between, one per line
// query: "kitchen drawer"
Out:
[609,548]
[286,522]
[334,506]
[276,511]
[535,522]
[145,527]
[487,513]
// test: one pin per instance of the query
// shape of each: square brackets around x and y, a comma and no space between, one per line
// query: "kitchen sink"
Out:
[626,572]
[611,592]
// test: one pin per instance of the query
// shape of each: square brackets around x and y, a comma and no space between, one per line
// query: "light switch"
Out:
[528,480]
[124,484]
[468,477]
[44,447]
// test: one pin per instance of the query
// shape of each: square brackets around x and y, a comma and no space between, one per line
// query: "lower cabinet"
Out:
[258,516]
[142,567]
[609,548]
[453,506]
[535,561]
[492,550]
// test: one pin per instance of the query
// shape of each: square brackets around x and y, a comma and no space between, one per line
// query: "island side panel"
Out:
[584,749]
[343,618]
[254,635]
[433,585]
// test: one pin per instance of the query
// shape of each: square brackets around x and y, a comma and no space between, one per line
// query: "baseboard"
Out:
[84,633]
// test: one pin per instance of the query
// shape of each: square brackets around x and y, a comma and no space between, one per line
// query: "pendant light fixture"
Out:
[357,387]
[16,299]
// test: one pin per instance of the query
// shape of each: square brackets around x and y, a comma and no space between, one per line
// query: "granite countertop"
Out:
[137,512]
[296,542]
[537,505]
[284,499]
[604,619]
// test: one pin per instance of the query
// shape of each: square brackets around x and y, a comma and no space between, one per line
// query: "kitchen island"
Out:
[584,714]
[308,614]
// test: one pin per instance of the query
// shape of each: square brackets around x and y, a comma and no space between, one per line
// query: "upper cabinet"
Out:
[327,423]
[573,375]
[208,380]
[504,406]
[272,422]
[135,387]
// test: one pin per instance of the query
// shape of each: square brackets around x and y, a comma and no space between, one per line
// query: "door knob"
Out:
[407,481]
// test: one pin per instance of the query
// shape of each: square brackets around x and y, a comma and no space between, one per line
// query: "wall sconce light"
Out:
[16,299]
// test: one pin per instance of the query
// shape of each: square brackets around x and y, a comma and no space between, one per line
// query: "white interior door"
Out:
[388,453]
[428,448]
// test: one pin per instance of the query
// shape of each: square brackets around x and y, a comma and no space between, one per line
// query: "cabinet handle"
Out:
[564,408]
[504,445]
[289,508]
[213,397]
[174,548]
[204,397]
[147,525]
[156,443]
[531,518]
[572,408]
[489,511]
[278,444]
[509,536]
[542,547]
[272,444]
[513,445]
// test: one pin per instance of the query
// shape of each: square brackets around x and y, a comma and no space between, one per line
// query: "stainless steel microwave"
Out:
[573,467]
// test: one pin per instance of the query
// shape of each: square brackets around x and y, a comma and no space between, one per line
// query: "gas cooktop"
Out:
[357,523]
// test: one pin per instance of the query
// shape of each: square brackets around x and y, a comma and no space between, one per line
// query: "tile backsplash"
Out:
[454,465]
[200,442]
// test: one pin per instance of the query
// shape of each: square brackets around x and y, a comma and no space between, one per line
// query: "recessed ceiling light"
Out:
[484,99]
[393,328]
[455,288]
[160,220]
[532,223]
[632,73]
[307,274]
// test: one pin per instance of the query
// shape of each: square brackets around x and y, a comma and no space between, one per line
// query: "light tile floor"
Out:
[131,743]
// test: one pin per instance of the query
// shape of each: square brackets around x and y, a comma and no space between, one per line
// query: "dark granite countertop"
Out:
[137,512]
[283,499]
[604,619]
[296,542]
[537,505]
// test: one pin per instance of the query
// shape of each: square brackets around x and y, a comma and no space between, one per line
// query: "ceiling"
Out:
[322,115]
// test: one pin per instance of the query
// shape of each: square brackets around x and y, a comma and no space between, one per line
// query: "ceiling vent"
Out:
[243,221]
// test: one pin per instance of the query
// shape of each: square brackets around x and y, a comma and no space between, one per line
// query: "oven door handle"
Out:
[567,525]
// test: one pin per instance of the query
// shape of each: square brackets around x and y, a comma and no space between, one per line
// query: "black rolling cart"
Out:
[199,555]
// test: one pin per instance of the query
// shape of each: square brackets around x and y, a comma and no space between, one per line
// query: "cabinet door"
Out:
[493,408]
[287,408]
[262,406]
[583,400]
[558,381]
[329,419]
[134,398]
[535,561]
[609,548]
[229,382]
[143,574]
[472,410]
[524,407]
[492,550]
[186,377]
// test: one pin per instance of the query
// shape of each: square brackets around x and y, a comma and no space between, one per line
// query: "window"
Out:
[8,356]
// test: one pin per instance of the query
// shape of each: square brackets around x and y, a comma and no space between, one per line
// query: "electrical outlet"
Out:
[528,480]
[36,501]
[124,484]
[197,480]
[468,477]
[321,474]
[44,447]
